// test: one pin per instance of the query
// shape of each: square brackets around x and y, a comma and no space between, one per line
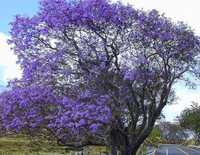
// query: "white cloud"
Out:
[185,98]
[179,10]
[8,60]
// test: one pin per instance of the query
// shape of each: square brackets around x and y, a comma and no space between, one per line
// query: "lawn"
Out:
[20,145]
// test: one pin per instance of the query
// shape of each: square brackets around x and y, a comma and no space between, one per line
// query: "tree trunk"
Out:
[114,142]
[127,150]
[134,152]
[113,150]
[135,149]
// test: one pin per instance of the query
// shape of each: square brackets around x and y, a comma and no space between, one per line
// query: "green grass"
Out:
[20,145]
[142,150]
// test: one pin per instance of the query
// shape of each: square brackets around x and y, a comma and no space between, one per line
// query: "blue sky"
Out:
[188,11]
[9,8]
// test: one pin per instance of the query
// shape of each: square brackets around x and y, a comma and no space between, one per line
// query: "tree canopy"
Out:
[190,119]
[106,70]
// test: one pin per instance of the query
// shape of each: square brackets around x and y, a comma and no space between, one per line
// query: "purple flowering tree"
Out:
[109,70]
[38,110]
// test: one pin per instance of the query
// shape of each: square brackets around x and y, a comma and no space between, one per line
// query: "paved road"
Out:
[170,149]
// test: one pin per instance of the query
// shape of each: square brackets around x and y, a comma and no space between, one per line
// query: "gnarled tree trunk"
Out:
[128,150]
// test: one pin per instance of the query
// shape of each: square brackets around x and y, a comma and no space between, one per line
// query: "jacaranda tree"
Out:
[93,68]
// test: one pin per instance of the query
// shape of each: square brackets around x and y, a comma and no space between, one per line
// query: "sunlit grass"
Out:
[20,145]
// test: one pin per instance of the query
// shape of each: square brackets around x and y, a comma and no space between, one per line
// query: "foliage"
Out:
[142,150]
[105,69]
[155,137]
[190,119]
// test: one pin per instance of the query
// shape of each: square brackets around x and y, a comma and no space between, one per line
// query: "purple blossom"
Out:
[89,65]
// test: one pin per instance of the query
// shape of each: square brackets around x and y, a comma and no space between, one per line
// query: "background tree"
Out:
[173,133]
[190,119]
[111,68]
